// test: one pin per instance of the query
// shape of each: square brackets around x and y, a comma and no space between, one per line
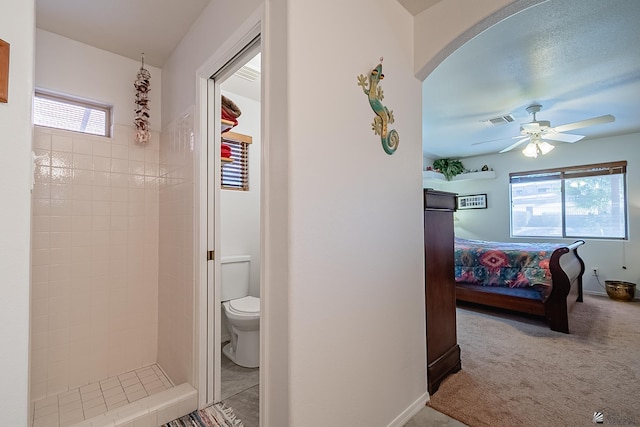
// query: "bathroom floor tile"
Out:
[246,406]
[236,379]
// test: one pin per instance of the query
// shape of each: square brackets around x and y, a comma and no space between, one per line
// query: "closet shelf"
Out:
[226,125]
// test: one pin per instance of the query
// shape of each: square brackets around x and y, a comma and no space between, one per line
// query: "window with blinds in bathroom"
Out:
[235,171]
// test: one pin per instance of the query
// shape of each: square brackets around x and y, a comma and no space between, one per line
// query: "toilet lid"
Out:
[245,305]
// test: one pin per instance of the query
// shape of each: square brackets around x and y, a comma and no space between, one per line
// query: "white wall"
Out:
[493,223]
[356,289]
[240,210]
[351,243]
[74,68]
[216,23]
[17,21]
[180,158]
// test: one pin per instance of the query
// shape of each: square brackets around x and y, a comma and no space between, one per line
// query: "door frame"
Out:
[207,272]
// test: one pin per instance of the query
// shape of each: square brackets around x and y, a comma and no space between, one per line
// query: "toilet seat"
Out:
[244,306]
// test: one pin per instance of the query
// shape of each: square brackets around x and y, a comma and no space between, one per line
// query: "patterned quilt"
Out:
[509,264]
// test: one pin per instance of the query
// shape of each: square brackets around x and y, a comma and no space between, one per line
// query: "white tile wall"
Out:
[95,258]
[178,156]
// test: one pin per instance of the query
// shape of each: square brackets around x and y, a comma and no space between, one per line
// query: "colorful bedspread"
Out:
[514,265]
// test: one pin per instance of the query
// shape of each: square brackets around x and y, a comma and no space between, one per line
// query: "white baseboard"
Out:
[408,413]
[596,293]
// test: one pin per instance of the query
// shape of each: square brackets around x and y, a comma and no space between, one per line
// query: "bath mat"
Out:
[216,415]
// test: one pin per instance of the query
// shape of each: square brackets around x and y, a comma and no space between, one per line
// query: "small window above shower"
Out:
[68,113]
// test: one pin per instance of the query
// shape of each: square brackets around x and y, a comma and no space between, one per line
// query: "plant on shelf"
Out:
[448,167]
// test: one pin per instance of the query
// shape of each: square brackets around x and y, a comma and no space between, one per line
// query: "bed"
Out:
[542,279]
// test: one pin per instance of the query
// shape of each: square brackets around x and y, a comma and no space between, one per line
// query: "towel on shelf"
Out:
[225,151]
[230,111]
[232,119]
[230,108]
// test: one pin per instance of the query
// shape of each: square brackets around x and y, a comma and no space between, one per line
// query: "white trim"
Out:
[213,242]
[208,392]
[200,247]
[412,410]
[200,244]
[595,293]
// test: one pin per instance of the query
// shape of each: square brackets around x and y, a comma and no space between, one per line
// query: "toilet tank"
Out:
[234,277]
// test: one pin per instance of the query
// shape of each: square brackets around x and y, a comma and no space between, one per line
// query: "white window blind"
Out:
[61,112]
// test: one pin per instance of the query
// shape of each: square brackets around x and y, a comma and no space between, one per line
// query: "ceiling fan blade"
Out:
[584,123]
[562,137]
[490,140]
[512,146]
[500,139]
[531,127]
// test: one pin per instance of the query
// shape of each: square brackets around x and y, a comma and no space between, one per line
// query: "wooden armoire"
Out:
[443,352]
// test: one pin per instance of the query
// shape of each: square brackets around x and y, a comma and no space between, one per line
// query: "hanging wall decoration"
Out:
[384,116]
[141,121]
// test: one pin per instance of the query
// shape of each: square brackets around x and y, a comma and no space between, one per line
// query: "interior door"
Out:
[214,314]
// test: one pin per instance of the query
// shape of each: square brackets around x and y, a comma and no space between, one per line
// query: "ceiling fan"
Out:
[538,132]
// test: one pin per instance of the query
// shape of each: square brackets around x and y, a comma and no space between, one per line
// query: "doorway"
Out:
[233,220]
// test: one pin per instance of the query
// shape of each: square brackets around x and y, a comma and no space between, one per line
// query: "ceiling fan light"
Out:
[531,150]
[545,147]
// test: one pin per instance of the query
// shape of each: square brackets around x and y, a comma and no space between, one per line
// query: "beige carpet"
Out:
[517,372]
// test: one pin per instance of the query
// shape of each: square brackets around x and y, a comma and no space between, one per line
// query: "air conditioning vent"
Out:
[248,73]
[500,120]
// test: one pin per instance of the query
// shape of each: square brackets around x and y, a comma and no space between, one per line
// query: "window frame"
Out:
[78,102]
[570,172]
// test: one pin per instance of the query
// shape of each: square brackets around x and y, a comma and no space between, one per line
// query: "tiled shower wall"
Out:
[94,258]
[178,155]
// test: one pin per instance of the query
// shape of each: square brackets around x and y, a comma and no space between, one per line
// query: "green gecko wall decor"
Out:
[384,116]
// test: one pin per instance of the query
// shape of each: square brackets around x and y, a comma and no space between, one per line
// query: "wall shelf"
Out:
[432,176]
[225,125]
[475,175]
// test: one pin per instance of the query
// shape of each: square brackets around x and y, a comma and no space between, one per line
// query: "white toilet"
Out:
[241,310]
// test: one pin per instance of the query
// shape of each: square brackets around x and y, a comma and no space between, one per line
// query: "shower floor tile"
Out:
[76,405]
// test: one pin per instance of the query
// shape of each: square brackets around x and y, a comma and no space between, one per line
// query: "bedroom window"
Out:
[235,173]
[63,112]
[574,202]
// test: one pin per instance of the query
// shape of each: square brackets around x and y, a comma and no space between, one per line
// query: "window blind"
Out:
[596,169]
[61,112]
[235,175]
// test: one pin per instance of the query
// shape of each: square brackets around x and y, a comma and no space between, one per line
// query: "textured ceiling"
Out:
[578,58]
